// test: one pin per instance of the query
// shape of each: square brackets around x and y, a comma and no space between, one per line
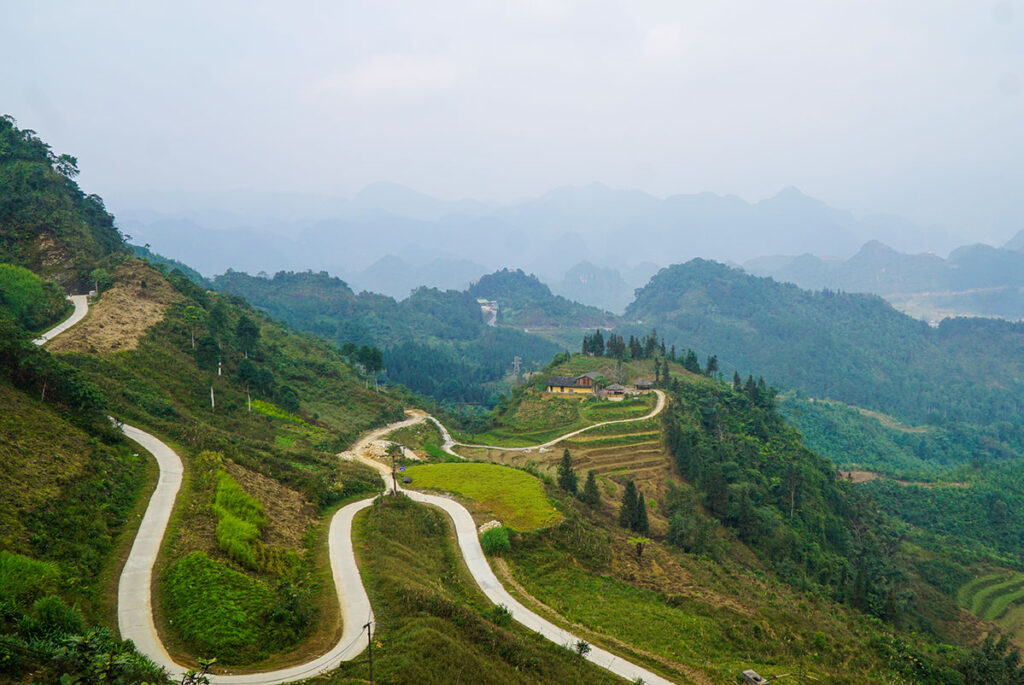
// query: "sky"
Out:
[913,108]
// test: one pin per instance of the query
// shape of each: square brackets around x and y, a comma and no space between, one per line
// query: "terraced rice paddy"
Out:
[996,597]
[616,453]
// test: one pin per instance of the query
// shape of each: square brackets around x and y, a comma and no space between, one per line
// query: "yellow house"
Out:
[569,385]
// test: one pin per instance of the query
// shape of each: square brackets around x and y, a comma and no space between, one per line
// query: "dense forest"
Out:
[750,471]
[526,302]
[434,342]
[854,348]
[49,224]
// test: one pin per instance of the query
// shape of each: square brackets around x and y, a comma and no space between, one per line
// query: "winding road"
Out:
[134,592]
[81,303]
[449,443]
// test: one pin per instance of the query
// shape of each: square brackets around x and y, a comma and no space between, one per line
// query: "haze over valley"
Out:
[549,342]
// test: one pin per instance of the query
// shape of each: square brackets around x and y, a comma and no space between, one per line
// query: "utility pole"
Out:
[516,362]
[394,449]
[369,648]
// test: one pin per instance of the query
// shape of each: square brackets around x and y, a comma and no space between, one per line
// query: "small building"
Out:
[571,385]
[615,392]
[642,385]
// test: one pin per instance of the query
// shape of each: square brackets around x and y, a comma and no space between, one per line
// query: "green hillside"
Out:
[755,543]
[434,342]
[526,302]
[699,542]
[853,348]
[47,223]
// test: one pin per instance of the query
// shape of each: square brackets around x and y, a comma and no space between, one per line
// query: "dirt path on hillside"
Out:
[450,444]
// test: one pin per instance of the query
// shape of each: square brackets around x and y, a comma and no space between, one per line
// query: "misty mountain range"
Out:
[592,244]
[975,280]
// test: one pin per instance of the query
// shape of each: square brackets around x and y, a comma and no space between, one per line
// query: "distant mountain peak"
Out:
[1016,242]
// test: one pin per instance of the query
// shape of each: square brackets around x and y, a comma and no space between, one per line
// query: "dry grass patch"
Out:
[116,322]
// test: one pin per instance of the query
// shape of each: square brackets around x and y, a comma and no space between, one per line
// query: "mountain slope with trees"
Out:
[433,342]
[47,223]
[855,348]
[526,302]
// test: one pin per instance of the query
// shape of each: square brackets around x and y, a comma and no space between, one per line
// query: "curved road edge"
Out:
[81,303]
[449,442]
[480,569]
[134,590]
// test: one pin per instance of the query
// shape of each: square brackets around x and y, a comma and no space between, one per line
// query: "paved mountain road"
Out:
[81,303]
[480,569]
[134,591]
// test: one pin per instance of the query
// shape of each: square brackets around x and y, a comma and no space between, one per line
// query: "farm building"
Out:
[642,385]
[572,385]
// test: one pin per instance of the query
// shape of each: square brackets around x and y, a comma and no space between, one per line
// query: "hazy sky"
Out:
[909,107]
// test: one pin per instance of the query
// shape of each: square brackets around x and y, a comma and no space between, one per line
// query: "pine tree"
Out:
[640,523]
[690,363]
[566,475]
[591,495]
[627,512]
[737,382]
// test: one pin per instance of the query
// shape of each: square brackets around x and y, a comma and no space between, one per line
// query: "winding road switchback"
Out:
[81,303]
[135,585]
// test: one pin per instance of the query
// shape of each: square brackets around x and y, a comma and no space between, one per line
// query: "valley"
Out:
[626,503]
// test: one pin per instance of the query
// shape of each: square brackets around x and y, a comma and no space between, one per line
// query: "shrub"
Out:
[239,521]
[55,617]
[33,302]
[499,615]
[495,541]
[23,579]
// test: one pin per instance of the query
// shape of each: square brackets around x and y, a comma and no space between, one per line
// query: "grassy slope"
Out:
[433,624]
[66,496]
[515,497]
[532,415]
[159,386]
[690,616]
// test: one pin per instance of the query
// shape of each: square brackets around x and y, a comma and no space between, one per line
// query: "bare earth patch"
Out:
[137,301]
[288,514]
[856,476]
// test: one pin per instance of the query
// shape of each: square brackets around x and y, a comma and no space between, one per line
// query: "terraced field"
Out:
[616,453]
[997,597]
[544,416]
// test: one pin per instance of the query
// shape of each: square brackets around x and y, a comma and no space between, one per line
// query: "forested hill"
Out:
[435,342]
[854,348]
[47,224]
[524,301]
